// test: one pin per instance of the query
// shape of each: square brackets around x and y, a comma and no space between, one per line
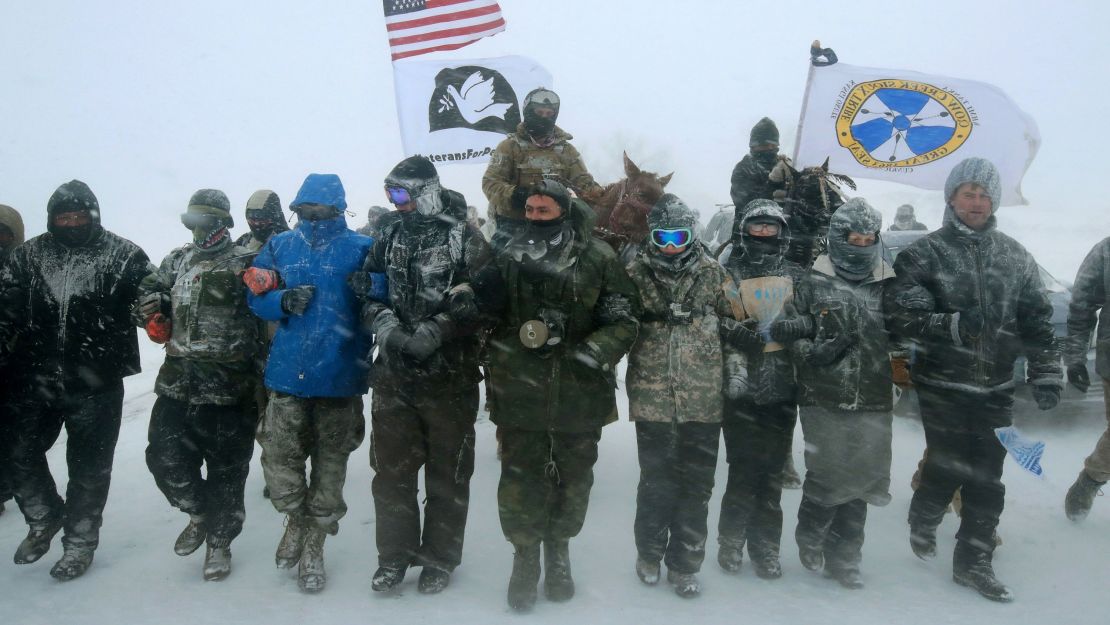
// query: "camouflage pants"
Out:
[964,454]
[325,429]
[1097,464]
[836,531]
[545,484]
[434,431]
[182,438]
[677,463]
[757,441]
[92,424]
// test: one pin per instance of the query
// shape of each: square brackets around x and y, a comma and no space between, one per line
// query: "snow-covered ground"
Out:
[1057,569]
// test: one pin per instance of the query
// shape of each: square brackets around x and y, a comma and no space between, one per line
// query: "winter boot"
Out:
[217,560]
[648,572]
[1081,496]
[790,479]
[972,568]
[387,577]
[73,564]
[686,585]
[292,541]
[432,580]
[923,541]
[847,577]
[310,576]
[526,574]
[730,557]
[192,537]
[766,565]
[812,559]
[36,544]
[558,585]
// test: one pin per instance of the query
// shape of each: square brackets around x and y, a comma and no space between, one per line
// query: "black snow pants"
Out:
[546,478]
[677,463]
[433,430]
[836,531]
[92,424]
[184,437]
[757,441]
[963,453]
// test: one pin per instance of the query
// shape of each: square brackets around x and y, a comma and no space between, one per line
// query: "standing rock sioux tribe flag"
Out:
[459,110]
[911,128]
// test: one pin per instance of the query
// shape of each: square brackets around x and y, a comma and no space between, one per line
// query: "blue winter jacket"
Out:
[322,353]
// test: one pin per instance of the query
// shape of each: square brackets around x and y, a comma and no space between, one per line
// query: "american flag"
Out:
[422,26]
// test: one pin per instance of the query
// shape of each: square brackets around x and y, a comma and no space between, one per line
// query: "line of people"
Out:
[271,338]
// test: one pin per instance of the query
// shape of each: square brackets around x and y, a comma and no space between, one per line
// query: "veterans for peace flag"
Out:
[909,127]
[459,110]
[423,26]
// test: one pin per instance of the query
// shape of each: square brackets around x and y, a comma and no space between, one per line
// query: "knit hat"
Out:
[978,171]
[212,202]
[322,189]
[765,132]
[265,202]
[671,213]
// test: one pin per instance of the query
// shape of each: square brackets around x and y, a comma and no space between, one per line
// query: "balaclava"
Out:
[418,176]
[853,262]
[671,213]
[765,133]
[74,196]
[264,215]
[540,127]
[551,231]
[209,217]
[760,250]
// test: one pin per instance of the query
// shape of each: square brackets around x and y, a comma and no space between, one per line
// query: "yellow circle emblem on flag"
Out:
[901,123]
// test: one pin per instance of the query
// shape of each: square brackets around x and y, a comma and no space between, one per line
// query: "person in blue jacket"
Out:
[317,371]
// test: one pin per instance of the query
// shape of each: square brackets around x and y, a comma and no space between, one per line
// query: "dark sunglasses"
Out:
[675,238]
[398,196]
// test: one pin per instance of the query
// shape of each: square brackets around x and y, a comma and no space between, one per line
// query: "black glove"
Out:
[360,282]
[589,354]
[424,341]
[741,334]
[1047,395]
[294,301]
[827,351]
[461,305]
[788,330]
[1078,377]
[971,325]
[556,322]
[519,197]
[150,304]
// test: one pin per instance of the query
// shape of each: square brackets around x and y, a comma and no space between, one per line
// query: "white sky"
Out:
[149,101]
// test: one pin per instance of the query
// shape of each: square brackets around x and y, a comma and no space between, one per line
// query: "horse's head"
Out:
[642,187]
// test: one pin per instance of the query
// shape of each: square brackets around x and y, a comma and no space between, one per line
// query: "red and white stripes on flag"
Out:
[422,26]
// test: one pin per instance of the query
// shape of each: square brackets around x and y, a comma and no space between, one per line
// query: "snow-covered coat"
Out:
[675,370]
[322,353]
[519,161]
[861,379]
[75,304]
[1088,305]
[956,269]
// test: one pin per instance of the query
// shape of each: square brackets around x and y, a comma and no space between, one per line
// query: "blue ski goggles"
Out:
[676,238]
[398,196]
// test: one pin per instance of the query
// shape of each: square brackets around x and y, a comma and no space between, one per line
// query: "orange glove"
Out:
[260,281]
[159,328]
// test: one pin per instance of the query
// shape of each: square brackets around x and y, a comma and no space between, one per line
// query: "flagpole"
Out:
[815,52]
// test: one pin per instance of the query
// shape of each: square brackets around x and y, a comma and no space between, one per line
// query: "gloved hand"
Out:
[260,281]
[461,304]
[150,304]
[159,328]
[741,334]
[1047,395]
[827,351]
[970,325]
[519,197]
[294,301]
[360,282]
[589,354]
[1078,377]
[556,322]
[789,330]
[424,341]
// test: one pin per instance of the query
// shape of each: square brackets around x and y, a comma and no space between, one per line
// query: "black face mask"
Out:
[545,231]
[766,159]
[538,127]
[75,236]
[757,249]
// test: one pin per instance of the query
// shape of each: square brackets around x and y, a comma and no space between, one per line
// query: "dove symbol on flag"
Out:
[474,100]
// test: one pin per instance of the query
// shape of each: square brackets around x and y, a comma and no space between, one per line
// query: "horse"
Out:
[809,198]
[623,206]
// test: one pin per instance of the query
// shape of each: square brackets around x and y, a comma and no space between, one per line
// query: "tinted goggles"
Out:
[675,238]
[203,221]
[398,196]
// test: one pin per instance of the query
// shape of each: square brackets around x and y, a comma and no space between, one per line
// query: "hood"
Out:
[855,215]
[882,270]
[11,218]
[322,189]
[979,171]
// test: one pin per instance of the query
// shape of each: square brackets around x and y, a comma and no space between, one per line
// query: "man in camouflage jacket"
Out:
[205,414]
[674,378]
